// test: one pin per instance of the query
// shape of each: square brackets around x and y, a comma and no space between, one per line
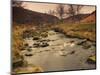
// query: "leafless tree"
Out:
[74,10]
[78,8]
[60,11]
[71,10]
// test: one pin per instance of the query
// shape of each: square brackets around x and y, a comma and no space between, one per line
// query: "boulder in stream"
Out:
[36,38]
[44,44]
[36,44]
[28,54]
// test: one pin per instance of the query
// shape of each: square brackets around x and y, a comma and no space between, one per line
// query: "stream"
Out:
[58,52]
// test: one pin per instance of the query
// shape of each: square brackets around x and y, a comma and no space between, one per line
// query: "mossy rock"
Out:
[91,59]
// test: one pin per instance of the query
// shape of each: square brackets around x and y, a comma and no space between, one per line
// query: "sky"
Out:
[45,7]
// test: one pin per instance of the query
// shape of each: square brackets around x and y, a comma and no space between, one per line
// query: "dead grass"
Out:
[87,31]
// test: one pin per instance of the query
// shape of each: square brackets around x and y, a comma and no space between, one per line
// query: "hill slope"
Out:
[24,16]
[90,18]
[75,18]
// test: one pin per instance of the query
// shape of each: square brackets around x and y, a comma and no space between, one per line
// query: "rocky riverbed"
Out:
[55,51]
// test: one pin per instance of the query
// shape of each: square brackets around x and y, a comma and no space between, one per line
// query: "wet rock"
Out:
[40,44]
[72,41]
[29,49]
[44,44]
[36,38]
[46,40]
[87,45]
[36,44]
[28,54]
[72,52]
[26,44]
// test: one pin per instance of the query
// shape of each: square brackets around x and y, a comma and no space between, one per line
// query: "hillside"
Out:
[75,18]
[24,16]
[90,18]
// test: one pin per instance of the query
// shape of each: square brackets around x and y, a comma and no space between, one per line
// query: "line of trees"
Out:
[71,10]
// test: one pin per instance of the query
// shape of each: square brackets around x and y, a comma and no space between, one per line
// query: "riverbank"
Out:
[84,31]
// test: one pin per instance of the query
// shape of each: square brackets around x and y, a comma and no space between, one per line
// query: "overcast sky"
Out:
[45,7]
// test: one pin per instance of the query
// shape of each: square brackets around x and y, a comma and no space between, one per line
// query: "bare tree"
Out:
[74,10]
[78,8]
[71,10]
[60,11]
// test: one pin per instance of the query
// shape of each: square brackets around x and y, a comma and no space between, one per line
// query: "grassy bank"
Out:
[86,31]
